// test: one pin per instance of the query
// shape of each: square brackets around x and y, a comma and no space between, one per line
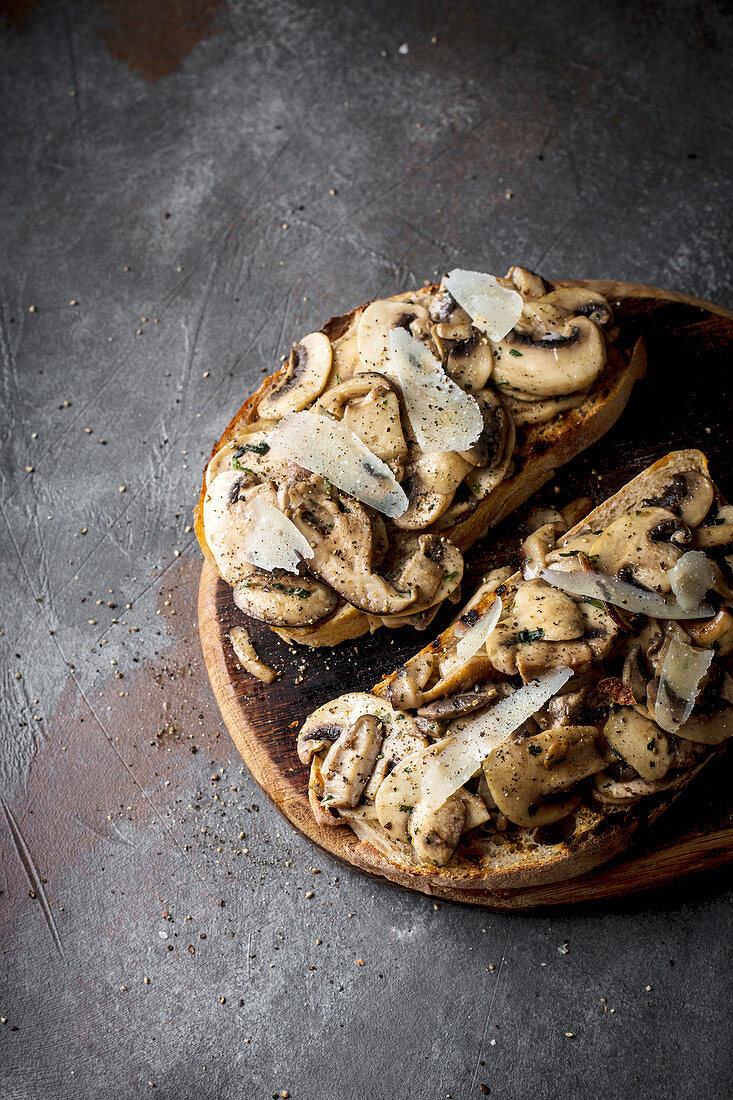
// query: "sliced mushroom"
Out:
[530,412]
[528,283]
[687,495]
[470,360]
[458,706]
[484,479]
[249,448]
[526,777]
[406,689]
[401,810]
[375,324]
[716,529]
[537,546]
[340,533]
[539,657]
[635,674]
[350,761]
[435,832]
[490,447]
[325,725]
[559,359]
[624,792]
[430,483]
[628,544]
[369,406]
[302,379]
[717,632]
[278,598]
[640,742]
[579,301]
[547,612]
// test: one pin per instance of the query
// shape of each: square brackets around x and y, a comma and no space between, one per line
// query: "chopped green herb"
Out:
[515,353]
[406,809]
[593,602]
[535,750]
[451,576]
[524,637]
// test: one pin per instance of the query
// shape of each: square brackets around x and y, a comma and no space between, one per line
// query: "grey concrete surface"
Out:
[163,242]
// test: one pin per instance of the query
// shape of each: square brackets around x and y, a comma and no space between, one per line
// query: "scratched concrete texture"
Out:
[185,190]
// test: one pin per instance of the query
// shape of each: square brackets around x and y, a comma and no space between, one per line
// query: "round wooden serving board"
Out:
[684,401]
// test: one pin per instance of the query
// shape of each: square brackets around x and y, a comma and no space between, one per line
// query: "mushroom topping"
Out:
[491,445]
[302,379]
[717,632]
[430,483]
[561,357]
[404,813]
[435,833]
[622,792]
[525,638]
[527,777]
[340,533]
[368,404]
[579,301]
[376,323]
[406,690]
[276,597]
[640,742]
[687,495]
[526,413]
[470,359]
[528,283]
[458,706]
[322,728]
[631,543]
[350,761]
[635,674]
[537,546]
[716,528]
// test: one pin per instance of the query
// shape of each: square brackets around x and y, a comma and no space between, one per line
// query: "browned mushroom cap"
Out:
[716,528]
[640,742]
[376,323]
[430,483]
[527,776]
[458,706]
[579,301]
[303,379]
[558,357]
[369,405]
[470,358]
[277,598]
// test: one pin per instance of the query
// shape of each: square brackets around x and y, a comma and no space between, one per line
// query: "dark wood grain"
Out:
[685,400]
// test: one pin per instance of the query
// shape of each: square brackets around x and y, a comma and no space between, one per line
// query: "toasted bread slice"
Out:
[545,434]
[593,813]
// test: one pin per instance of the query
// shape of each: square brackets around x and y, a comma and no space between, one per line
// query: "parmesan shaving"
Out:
[465,751]
[327,447]
[272,541]
[691,578]
[598,586]
[476,637]
[442,416]
[681,674]
[492,308]
[248,657]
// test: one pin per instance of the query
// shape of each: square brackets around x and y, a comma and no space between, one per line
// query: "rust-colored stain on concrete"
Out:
[154,38]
